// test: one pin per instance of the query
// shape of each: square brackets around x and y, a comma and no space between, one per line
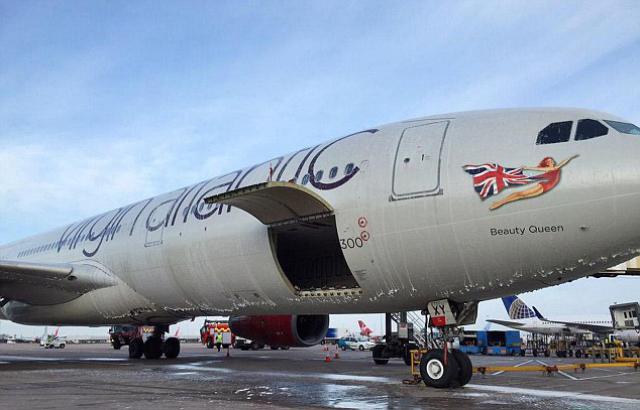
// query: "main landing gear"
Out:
[155,345]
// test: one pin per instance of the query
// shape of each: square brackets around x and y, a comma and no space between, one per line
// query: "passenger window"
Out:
[624,127]
[348,169]
[554,133]
[318,176]
[333,172]
[305,179]
[588,129]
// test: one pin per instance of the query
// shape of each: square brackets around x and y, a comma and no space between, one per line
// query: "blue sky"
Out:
[104,103]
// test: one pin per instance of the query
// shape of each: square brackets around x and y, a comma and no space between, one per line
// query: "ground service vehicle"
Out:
[361,344]
[121,335]
[209,334]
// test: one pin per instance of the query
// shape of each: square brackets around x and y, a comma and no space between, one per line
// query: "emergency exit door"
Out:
[418,160]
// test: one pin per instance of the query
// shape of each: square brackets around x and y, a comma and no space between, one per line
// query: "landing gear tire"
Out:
[171,348]
[465,367]
[379,355]
[153,348]
[435,373]
[136,348]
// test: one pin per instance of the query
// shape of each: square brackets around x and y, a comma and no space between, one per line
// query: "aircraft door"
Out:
[418,159]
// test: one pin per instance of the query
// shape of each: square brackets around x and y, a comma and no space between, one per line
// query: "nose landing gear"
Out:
[442,366]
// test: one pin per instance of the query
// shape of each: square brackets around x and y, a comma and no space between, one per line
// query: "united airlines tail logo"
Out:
[518,310]
[490,179]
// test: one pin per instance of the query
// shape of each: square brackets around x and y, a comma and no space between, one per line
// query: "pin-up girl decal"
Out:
[491,179]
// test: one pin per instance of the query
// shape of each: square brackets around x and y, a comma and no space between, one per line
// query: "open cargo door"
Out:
[276,202]
[303,235]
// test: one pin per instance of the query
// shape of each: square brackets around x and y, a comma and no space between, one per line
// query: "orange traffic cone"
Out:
[327,358]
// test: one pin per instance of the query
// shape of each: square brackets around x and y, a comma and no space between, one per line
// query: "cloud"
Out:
[47,184]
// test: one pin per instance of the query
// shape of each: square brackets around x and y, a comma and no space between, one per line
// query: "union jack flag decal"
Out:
[490,179]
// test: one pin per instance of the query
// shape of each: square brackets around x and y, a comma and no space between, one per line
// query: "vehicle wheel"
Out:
[274,347]
[116,345]
[434,372]
[171,348]
[379,354]
[284,347]
[136,348]
[153,348]
[62,346]
[578,354]
[361,348]
[465,366]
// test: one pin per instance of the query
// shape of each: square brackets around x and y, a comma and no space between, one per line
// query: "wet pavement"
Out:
[99,377]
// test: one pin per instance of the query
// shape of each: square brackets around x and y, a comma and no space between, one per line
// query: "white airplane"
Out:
[528,320]
[436,212]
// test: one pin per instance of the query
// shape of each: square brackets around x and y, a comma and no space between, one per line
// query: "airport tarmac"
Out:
[96,376]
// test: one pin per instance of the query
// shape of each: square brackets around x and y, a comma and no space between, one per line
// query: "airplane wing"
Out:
[613,273]
[506,323]
[583,326]
[49,283]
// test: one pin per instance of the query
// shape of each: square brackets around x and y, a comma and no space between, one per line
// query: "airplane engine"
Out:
[281,330]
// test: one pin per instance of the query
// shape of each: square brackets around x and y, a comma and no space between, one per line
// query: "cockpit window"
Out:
[624,127]
[588,129]
[555,132]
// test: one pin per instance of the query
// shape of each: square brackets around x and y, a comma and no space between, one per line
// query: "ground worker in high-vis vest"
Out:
[219,339]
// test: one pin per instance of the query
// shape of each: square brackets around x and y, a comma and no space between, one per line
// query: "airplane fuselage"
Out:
[407,220]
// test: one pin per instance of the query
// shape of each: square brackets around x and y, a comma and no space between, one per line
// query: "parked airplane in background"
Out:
[436,212]
[364,329]
[530,320]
